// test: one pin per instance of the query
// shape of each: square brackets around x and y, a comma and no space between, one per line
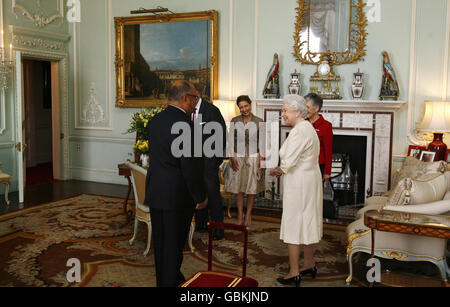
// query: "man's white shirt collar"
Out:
[178,108]
[197,108]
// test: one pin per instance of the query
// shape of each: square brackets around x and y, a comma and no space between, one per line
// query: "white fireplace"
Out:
[371,119]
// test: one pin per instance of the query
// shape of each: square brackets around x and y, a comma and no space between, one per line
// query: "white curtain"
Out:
[322,24]
[341,32]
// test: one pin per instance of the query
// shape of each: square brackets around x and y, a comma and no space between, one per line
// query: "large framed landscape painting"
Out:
[153,51]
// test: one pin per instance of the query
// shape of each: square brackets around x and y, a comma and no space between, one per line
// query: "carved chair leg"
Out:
[149,238]
[6,193]
[350,266]
[229,207]
[191,235]
[136,224]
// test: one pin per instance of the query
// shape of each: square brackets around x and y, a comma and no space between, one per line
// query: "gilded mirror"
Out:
[332,28]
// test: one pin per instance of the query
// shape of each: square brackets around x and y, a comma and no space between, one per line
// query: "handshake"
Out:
[276,172]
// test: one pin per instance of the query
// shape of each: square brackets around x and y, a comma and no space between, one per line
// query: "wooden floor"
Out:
[58,190]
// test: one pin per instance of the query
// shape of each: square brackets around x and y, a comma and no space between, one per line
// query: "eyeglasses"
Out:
[195,96]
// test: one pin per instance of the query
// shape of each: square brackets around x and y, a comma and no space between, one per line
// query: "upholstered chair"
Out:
[142,212]
[5,179]
[424,190]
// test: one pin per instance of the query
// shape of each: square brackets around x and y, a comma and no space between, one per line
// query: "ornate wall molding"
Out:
[45,44]
[38,39]
[79,115]
[37,15]
[93,112]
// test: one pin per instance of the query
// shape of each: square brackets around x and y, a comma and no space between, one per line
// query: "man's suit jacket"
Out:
[171,182]
[211,113]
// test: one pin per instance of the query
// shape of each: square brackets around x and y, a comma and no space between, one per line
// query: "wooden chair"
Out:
[225,195]
[212,278]
[142,212]
[5,179]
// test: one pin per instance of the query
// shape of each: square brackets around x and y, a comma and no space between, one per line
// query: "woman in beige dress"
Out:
[301,224]
[244,176]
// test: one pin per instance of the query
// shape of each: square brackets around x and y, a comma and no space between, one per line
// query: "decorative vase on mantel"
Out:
[145,160]
[358,86]
[295,87]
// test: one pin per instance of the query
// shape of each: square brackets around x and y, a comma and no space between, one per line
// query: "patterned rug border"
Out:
[91,268]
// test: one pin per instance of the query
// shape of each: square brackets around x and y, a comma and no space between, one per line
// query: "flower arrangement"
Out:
[139,123]
[141,147]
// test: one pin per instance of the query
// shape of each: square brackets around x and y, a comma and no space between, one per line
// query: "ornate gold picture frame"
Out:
[356,23]
[153,51]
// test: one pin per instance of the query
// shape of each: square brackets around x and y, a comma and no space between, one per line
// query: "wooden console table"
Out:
[126,172]
[437,226]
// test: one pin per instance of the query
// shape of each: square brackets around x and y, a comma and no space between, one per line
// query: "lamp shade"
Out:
[227,108]
[437,117]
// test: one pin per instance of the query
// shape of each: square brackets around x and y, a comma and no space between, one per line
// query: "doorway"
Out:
[38,122]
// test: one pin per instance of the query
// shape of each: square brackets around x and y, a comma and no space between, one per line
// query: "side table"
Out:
[126,172]
[437,226]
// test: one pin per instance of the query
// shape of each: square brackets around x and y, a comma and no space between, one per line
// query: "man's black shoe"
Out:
[218,234]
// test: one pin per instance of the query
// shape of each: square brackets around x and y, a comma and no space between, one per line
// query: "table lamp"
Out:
[228,110]
[437,121]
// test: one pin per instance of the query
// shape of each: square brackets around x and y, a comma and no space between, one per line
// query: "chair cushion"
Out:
[414,168]
[4,177]
[429,188]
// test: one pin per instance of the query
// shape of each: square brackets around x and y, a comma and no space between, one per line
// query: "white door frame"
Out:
[19,118]
[56,123]
[60,114]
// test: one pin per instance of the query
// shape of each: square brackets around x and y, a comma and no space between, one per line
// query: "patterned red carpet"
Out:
[36,243]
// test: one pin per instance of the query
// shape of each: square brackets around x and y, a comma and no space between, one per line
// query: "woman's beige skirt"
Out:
[249,179]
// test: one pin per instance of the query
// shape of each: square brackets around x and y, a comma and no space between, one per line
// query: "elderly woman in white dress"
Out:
[301,224]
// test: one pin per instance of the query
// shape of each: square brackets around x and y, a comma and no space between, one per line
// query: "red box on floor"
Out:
[212,278]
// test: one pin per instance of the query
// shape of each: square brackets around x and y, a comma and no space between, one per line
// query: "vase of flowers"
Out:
[138,124]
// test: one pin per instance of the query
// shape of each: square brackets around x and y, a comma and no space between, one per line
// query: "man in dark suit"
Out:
[174,183]
[205,113]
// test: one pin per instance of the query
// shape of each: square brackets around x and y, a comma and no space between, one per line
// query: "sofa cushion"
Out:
[414,168]
[375,200]
[447,196]
[447,177]
[429,188]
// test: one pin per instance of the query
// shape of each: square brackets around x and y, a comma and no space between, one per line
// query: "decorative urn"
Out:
[295,87]
[358,86]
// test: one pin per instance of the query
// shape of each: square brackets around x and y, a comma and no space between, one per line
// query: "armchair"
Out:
[398,246]
[142,212]
[5,179]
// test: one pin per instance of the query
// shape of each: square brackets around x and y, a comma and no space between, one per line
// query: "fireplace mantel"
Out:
[343,105]
[370,118]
